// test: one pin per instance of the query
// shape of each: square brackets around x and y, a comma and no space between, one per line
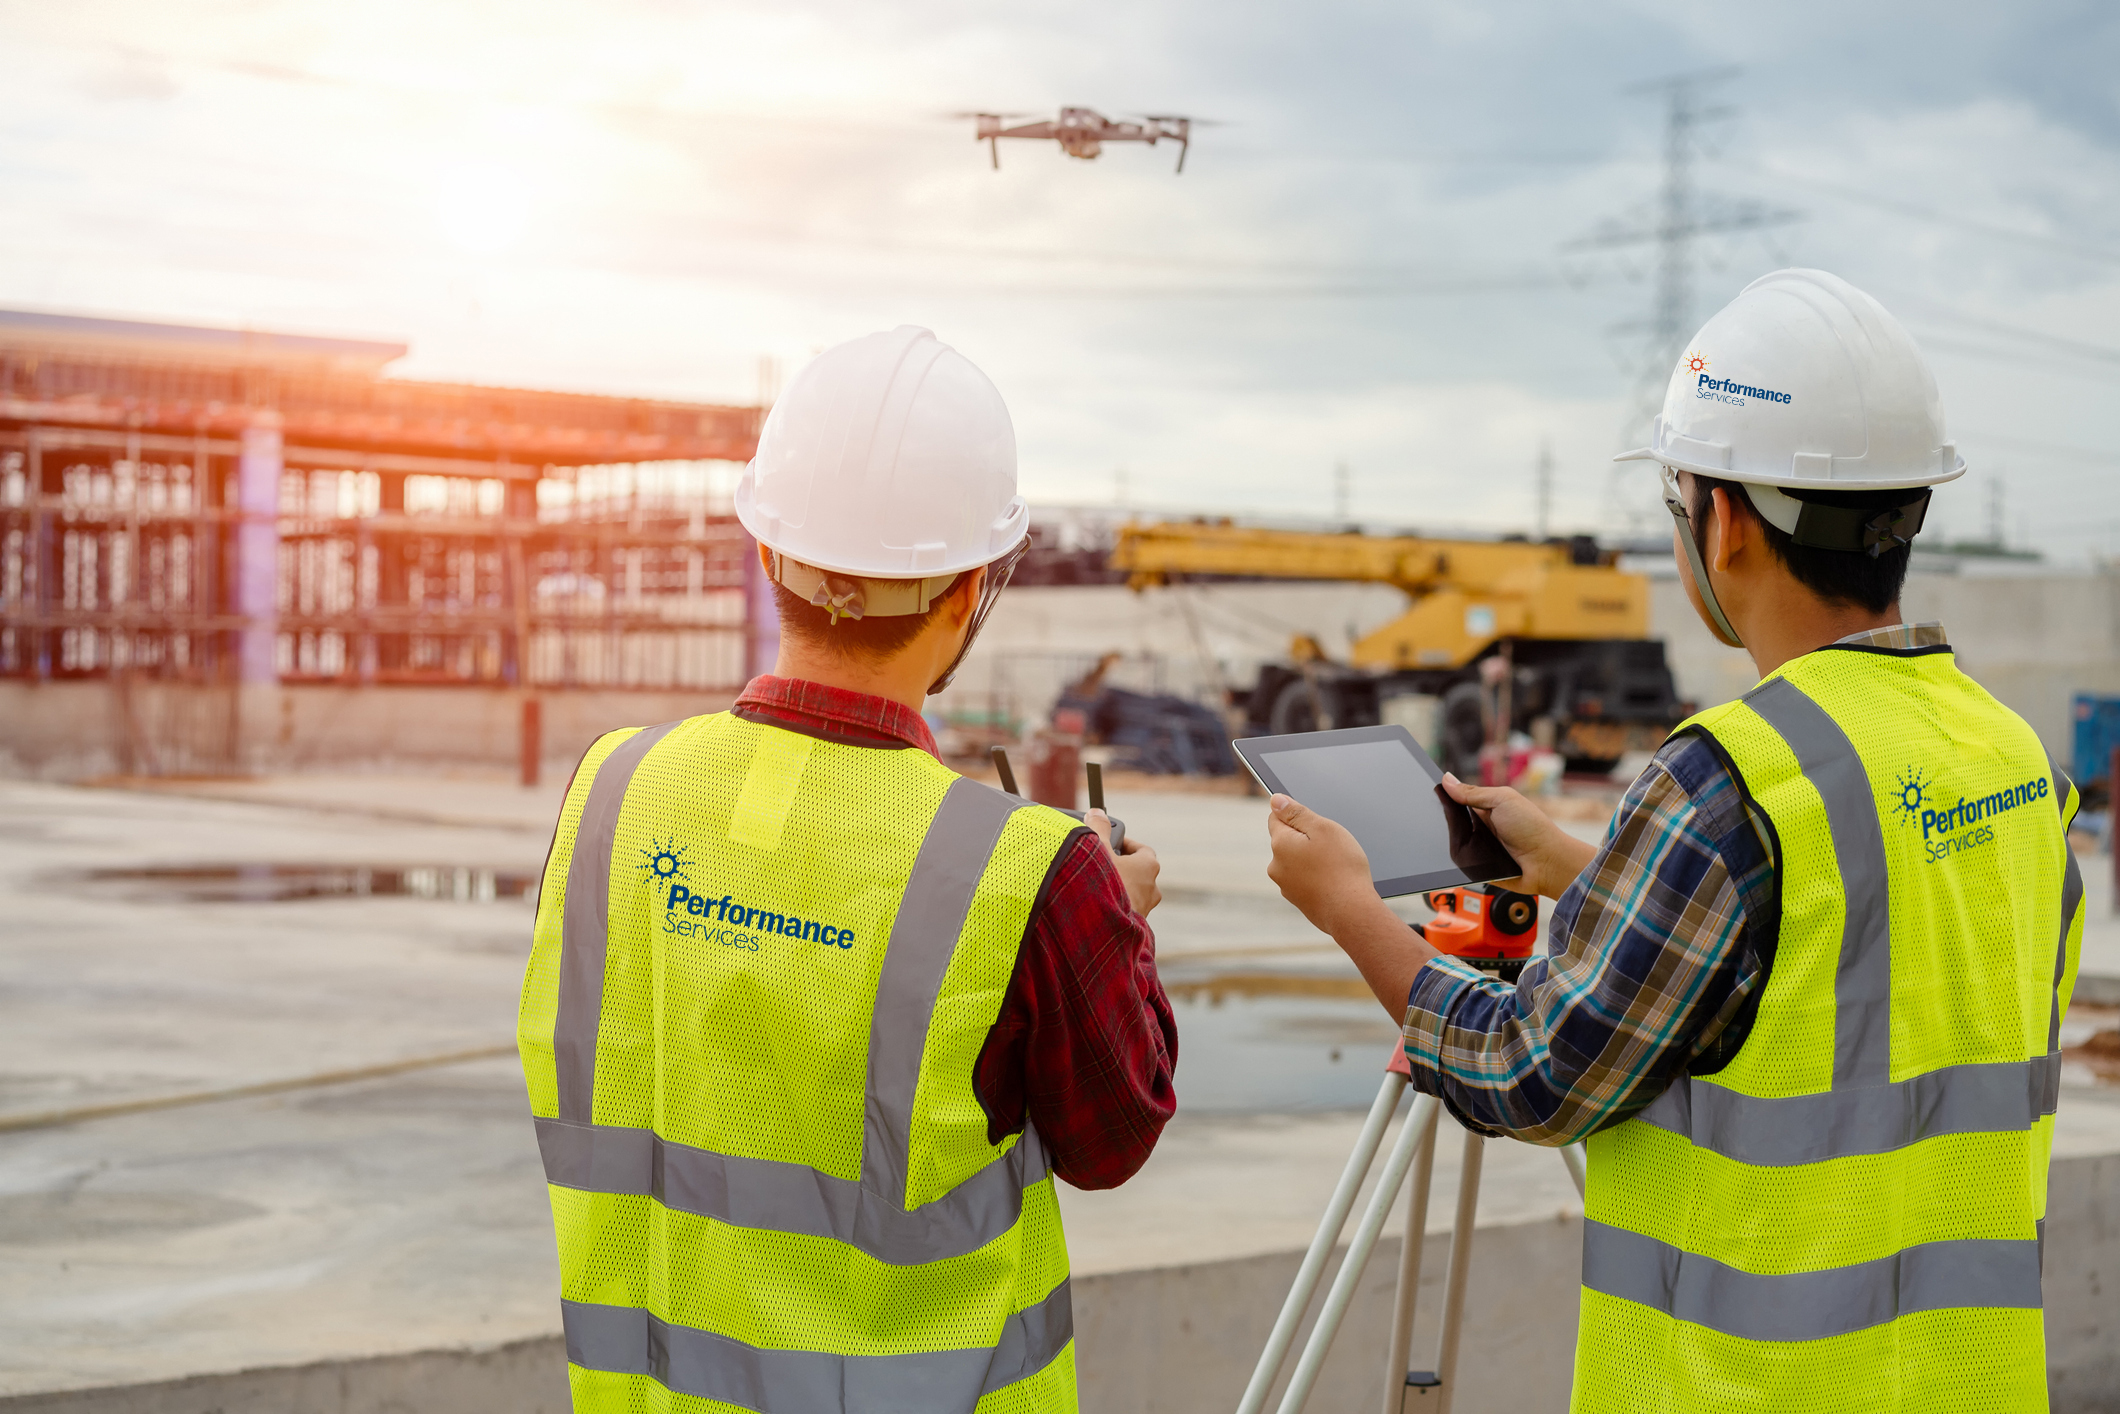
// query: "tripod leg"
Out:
[1468,1206]
[1358,1162]
[1409,1275]
[1365,1240]
[1572,1156]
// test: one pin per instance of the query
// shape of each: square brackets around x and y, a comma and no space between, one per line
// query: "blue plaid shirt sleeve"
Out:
[1654,959]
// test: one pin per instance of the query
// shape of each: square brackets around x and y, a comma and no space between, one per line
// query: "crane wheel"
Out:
[1300,706]
[1464,731]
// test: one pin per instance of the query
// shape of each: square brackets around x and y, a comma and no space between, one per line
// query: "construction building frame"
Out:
[234,512]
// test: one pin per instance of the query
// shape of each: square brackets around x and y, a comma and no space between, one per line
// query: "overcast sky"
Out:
[1364,263]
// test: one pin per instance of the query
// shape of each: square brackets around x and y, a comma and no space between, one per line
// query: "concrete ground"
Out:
[340,1235]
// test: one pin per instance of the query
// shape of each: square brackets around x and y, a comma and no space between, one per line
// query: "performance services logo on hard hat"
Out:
[1729,390]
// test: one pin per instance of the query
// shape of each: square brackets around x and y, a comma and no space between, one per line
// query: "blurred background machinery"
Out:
[1548,640]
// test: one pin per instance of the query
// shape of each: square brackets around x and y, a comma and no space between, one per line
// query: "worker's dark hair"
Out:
[864,640]
[1840,577]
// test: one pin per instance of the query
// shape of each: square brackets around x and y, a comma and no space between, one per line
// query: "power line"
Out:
[2016,358]
[2058,450]
[2051,343]
[1866,197]
[1324,291]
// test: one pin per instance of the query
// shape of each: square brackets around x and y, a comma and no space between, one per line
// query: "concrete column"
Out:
[257,591]
[258,550]
[45,565]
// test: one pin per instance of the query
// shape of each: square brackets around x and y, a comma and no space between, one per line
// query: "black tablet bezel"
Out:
[1257,753]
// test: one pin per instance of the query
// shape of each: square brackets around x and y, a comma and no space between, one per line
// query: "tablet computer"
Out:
[1378,783]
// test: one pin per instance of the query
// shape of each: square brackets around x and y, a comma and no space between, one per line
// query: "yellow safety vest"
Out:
[764,968]
[1849,1215]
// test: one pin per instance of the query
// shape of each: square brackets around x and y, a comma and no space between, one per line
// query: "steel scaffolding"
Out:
[215,507]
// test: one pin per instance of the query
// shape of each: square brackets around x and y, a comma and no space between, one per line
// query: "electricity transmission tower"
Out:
[1672,224]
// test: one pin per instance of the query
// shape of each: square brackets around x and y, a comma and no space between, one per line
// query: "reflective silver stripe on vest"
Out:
[629,1341]
[867,1213]
[1809,1305]
[583,926]
[1862,981]
[2071,900]
[1877,1115]
[938,898]
[794,1198]
[1778,1131]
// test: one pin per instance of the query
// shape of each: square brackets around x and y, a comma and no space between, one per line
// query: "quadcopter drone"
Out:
[1082,132]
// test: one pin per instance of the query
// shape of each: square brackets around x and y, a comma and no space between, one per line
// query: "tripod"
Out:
[1415,1150]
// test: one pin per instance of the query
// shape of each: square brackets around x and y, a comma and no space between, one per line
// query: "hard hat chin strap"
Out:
[1676,503]
[997,577]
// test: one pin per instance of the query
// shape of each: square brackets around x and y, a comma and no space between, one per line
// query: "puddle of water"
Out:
[277,883]
[1259,1041]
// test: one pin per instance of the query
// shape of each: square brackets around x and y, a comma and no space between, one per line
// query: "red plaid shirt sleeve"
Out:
[1086,1043]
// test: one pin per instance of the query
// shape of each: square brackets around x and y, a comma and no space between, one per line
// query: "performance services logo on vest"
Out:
[1940,829]
[688,914]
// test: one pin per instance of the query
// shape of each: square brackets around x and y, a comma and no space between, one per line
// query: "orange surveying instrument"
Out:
[1492,928]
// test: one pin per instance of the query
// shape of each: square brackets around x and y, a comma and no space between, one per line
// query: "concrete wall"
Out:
[1183,1340]
[1186,639]
[74,730]
[2032,640]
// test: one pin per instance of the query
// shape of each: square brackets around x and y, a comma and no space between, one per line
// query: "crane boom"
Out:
[1466,594]
[1566,628]
[1152,553]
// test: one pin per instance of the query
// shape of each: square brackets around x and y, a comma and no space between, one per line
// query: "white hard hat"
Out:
[888,457]
[1803,381]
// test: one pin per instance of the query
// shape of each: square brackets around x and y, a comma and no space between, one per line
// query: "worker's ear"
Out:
[1732,531]
[963,600]
[765,561]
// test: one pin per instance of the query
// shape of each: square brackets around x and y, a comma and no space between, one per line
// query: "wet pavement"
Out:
[386,1194]
[279,883]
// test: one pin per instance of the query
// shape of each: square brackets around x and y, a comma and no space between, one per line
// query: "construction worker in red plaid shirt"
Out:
[811,1021]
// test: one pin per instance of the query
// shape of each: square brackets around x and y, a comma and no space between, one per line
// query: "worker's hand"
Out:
[1137,866]
[1318,866]
[1550,857]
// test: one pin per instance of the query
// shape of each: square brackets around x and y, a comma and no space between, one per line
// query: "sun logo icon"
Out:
[1696,363]
[665,865]
[1911,796]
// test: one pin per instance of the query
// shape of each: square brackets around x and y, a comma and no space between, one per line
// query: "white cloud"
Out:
[646,197]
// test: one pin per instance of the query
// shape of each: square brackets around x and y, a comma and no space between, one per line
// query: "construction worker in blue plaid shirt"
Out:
[1803,1001]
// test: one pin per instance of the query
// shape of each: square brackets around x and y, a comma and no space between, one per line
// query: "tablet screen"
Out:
[1378,783]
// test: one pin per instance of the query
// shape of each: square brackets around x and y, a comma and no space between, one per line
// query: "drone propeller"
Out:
[1183,136]
[988,135]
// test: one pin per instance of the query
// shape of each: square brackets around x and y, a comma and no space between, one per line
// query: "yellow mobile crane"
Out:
[1577,669]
